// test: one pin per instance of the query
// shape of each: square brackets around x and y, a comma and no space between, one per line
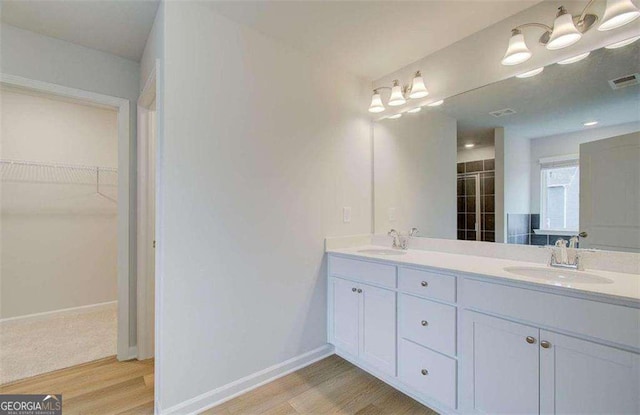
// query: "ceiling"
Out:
[117,27]
[374,38]
[557,101]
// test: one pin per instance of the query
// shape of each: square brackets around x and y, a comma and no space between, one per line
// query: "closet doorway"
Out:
[65,228]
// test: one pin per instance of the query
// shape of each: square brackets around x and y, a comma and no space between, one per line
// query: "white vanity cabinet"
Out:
[363,322]
[465,343]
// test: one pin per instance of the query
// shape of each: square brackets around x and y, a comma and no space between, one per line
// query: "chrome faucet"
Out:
[563,261]
[402,241]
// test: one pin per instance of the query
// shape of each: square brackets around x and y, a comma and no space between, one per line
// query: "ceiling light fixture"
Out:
[590,123]
[531,73]
[414,110]
[394,116]
[618,13]
[469,145]
[568,29]
[574,59]
[399,93]
[622,43]
[436,103]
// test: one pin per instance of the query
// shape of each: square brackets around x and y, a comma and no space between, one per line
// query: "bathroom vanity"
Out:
[461,334]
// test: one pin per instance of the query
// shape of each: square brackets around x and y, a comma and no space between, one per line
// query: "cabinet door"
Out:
[500,366]
[345,318]
[581,377]
[378,334]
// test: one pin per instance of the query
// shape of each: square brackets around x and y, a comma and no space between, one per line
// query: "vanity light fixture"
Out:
[590,123]
[394,116]
[399,93]
[622,43]
[531,73]
[414,110]
[469,145]
[618,13]
[436,103]
[568,29]
[574,59]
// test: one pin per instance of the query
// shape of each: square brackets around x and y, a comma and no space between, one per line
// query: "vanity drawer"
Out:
[428,372]
[379,274]
[428,323]
[427,284]
[610,322]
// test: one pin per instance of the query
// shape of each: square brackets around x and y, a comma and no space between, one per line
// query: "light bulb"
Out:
[436,103]
[531,73]
[622,43]
[414,110]
[618,13]
[376,103]
[564,31]
[574,59]
[517,51]
[394,117]
[397,98]
[418,88]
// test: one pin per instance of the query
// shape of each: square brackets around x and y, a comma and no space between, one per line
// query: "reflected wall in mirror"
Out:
[521,161]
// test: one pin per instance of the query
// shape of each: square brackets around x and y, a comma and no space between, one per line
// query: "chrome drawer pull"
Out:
[424,283]
[530,340]
[424,372]
[424,323]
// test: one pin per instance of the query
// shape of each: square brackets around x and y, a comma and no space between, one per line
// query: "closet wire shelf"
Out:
[21,171]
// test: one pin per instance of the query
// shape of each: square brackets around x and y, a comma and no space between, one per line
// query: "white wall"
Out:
[564,144]
[46,59]
[501,218]
[153,49]
[415,174]
[262,148]
[517,160]
[59,241]
[476,153]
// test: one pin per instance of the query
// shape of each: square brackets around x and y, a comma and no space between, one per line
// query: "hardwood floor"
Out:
[104,386]
[331,385]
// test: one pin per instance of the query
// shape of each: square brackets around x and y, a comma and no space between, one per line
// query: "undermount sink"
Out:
[559,275]
[382,251]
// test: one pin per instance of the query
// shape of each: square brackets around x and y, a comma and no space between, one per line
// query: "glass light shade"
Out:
[376,103]
[418,88]
[622,43]
[564,32]
[574,59]
[397,98]
[414,110]
[531,73]
[436,104]
[517,51]
[618,13]
[394,117]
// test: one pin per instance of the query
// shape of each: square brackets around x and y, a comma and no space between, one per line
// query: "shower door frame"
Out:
[478,224]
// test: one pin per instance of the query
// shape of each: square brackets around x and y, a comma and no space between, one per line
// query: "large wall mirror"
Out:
[521,161]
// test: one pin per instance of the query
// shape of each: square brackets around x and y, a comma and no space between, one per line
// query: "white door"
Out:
[500,370]
[346,315]
[610,193]
[378,333]
[581,377]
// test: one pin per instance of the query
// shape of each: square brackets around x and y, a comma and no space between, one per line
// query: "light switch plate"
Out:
[346,214]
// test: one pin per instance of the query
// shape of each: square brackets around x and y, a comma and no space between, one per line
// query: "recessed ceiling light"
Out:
[622,43]
[436,104]
[531,73]
[469,145]
[574,59]
[590,123]
[414,110]
[394,117]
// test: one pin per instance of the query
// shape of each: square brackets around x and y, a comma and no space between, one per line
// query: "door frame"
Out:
[145,220]
[121,105]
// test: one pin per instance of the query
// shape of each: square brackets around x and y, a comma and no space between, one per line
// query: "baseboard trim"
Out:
[231,390]
[133,352]
[65,311]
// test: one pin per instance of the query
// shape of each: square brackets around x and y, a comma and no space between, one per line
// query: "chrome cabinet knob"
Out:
[545,344]
[424,283]
[424,372]
[359,290]
[353,289]
[424,322]
[583,234]
[530,340]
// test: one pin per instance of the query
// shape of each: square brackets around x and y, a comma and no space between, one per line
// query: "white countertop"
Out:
[624,286]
